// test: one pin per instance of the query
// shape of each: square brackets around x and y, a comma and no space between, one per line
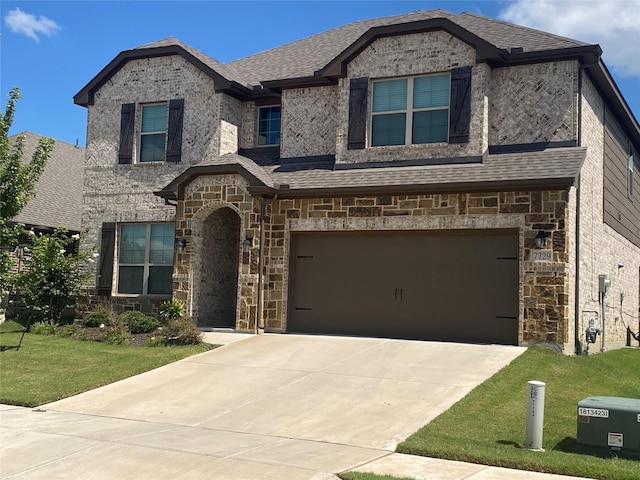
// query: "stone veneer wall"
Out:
[204,196]
[534,103]
[415,54]
[309,121]
[602,249]
[544,286]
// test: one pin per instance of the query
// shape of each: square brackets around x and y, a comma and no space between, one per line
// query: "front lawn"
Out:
[48,368]
[488,425]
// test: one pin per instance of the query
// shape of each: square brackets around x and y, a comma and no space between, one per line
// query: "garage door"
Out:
[448,286]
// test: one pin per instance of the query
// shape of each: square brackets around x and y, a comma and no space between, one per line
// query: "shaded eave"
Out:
[85,96]
[283,191]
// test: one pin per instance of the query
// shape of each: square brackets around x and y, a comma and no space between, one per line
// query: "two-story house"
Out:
[430,176]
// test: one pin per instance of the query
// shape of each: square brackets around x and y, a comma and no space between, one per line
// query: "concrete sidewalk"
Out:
[268,407]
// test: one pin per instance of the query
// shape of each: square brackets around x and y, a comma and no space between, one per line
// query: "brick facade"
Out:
[534,103]
[510,105]
[420,53]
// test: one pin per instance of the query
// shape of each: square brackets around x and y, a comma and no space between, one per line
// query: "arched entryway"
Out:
[218,276]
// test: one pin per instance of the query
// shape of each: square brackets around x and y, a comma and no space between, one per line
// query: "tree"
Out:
[55,272]
[17,181]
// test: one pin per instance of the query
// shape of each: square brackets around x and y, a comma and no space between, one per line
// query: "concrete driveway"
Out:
[266,407]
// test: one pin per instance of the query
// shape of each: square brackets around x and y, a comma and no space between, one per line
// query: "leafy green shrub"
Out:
[96,318]
[54,274]
[181,332]
[171,310]
[43,328]
[138,322]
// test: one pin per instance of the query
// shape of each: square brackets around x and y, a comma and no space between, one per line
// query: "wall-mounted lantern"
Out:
[247,244]
[541,239]
[180,245]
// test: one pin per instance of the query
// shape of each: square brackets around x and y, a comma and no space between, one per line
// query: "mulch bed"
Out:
[97,334]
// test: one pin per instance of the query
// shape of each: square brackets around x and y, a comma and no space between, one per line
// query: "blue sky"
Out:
[51,49]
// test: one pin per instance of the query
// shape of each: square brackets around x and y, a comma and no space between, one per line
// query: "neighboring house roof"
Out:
[551,168]
[58,192]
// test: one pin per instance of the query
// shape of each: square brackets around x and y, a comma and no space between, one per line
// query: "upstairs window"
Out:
[145,258]
[408,111]
[269,126]
[159,135]
[153,133]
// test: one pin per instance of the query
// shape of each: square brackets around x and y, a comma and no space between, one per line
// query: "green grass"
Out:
[368,476]
[48,368]
[488,425]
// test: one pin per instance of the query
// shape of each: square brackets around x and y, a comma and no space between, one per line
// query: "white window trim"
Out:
[258,126]
[146,265]
[141,133]
[409,111]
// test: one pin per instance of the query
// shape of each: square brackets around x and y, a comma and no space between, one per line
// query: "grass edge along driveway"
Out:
[488,425]
[49,368]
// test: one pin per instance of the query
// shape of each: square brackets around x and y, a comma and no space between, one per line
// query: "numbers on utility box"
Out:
[593,412]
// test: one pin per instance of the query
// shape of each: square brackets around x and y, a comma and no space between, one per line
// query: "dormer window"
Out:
[409,111]
[269,126]
[153,133]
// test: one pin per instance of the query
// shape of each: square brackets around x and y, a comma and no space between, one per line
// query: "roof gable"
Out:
[224,77]
[320,54]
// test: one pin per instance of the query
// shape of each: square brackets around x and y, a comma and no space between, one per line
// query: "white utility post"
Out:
[535,416]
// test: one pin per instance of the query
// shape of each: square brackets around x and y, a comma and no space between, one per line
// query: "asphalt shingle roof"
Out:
[557,167]
[58,197]
[561,164]
[303,57]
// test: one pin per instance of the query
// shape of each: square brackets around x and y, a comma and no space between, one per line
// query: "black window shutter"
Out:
[357,113]
[107,245]
[127,128]
[460,108]
[174,140]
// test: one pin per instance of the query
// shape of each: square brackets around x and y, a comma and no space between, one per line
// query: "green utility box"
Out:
[609,426]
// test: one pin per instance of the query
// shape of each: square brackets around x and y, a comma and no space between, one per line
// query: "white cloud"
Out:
[613,24]
[30,25]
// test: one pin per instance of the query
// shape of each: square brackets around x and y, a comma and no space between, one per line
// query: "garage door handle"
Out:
[396,294]
[401,293]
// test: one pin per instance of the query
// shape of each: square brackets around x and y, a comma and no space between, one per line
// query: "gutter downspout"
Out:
[578,344]
[576,306]
[259,318]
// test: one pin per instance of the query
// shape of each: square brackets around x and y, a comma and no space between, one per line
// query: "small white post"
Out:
[535,416]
